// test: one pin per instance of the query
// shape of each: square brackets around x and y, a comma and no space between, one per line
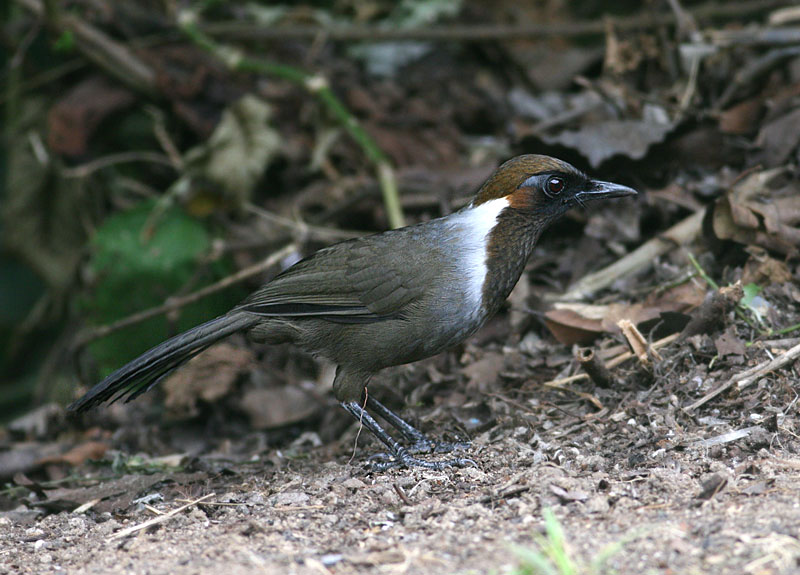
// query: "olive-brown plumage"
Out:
[390,298]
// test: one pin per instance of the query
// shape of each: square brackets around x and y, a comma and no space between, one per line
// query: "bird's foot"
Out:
[399,456]
[404,458]
[419,443]
[425,445]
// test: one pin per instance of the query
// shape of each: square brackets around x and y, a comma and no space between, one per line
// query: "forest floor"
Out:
[637,487]
[170,167]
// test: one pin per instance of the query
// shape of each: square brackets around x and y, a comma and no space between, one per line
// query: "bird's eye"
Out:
[554,186]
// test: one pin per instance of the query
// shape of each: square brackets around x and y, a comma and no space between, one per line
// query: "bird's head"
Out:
[545,187]
[513,208]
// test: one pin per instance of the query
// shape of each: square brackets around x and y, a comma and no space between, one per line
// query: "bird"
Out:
[391,298]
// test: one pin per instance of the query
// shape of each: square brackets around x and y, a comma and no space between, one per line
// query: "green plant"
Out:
[550,554]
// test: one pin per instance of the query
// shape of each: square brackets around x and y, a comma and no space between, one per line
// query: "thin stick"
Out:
[594,367]
[173,304]
[750,376]
[318,87]
[681,233]
[89,168]
[612,363]
[157,520]
[479,33]
[105,52]
[303,228]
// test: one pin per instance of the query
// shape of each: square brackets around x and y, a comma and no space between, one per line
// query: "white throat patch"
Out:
[476,223]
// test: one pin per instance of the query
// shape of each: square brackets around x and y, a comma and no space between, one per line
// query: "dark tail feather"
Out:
[138,376]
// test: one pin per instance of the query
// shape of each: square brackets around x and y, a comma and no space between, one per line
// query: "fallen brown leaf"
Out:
[79,454]
[208,377]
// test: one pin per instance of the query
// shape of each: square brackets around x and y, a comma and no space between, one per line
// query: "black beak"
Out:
[597,190]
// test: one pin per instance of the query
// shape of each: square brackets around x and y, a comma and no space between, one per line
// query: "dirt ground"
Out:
[639,482]
[228,168]
[322,517]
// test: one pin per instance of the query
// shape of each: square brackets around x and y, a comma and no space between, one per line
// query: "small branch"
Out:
[710,315]
[707,278]
[302,228]
[595,368]
[785,330]
[173,304]
[108,54]
[317,86]
[611,364]
[157,520]
[755,37]
[753,71]
[638,342]
[481,33]
[639,259]
[89,168]
[749,377]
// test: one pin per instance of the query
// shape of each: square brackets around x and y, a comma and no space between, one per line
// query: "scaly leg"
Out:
[400,454]
[420,443]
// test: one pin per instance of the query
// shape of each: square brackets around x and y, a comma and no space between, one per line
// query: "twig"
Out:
[108,54]
[749,377]
[172,304]
[47,76]
[643,256]
[505,494]
[707,278]
[162,135]
[755,37]
[595,368]
[787,329]
[612,363]
[157,520]
[687,27]
[298,508]
[220,503]
[783,16]
[479,33]
[755,70]
[301,227]
[87,506]
[726,437]
[88,168]
[401,493]
[316,85]
[637,342]
[153,510]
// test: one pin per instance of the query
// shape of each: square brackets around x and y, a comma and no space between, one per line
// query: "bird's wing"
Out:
[362,280]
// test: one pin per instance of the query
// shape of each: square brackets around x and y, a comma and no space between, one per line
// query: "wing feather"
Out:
[361,280]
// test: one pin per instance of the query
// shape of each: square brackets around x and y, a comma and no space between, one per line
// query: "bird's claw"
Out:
[427,446]
[405,459]
[424,447]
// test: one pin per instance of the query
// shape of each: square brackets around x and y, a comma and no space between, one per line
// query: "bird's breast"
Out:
[471,229]
[456,307]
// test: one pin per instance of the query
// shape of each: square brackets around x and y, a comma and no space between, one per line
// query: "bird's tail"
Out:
[138,376]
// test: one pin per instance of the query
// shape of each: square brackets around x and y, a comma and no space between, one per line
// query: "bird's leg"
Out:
[400,455]
[419,442]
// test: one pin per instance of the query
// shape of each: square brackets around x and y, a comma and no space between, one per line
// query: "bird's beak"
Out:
[598,190]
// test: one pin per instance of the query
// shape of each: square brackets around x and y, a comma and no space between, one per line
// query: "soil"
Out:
[640,483]
[247,464]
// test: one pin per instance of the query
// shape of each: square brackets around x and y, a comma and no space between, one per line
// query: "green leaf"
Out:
[65,43]
[135,272]
[753,302]
[751,290]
